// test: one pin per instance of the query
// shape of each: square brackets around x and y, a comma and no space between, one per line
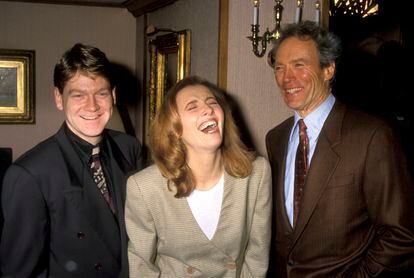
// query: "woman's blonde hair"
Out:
[169,152]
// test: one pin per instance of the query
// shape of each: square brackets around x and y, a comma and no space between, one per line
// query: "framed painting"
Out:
[169,63]
[17,90]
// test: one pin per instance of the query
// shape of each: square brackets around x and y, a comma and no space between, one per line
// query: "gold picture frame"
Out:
[17,88]
[162,50]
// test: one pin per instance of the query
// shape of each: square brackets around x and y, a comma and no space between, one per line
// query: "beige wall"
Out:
[249,79]
[50,30]
[201,17]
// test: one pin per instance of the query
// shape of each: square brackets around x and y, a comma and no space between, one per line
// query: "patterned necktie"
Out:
[301,168]
[99,178]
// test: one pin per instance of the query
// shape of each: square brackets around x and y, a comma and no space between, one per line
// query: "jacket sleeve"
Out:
[389,197]
[257,251]
[141,232]
[26,225]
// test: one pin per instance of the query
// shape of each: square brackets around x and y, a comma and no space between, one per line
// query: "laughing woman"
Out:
[203,209]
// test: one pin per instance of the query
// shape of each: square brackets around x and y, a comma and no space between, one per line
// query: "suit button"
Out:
[190,270]
[98,266]
[231,266]
[80,235]
[291,263]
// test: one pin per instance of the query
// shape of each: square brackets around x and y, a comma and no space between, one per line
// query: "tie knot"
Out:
[94,160]
[95,151]
[303,136]
[302,126]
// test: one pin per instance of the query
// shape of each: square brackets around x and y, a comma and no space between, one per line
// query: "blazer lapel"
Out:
[323,165]
[232,216]
[74,188]
[280,158]
[119,168]
[231,221]
[281,180]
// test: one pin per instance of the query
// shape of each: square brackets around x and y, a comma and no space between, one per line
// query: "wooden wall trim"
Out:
[140,7]
[136,7]
[114,3]
[223,44]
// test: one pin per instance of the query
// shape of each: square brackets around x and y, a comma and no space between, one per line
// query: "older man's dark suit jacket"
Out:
[65,228]
[356,216]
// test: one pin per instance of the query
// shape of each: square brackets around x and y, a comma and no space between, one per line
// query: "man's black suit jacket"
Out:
[56,222]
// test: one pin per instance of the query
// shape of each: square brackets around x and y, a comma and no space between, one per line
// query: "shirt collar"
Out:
[84,147]
[314,121]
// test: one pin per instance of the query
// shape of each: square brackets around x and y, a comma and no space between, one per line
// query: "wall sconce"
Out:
[275,34]
[267,36]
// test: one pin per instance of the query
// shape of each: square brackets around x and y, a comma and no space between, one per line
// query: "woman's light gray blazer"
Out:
[166,241]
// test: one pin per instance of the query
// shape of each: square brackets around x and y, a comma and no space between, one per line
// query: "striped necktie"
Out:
[301,169]
[99,178]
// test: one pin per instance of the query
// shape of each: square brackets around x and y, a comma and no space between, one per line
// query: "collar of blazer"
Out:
[233,191]
[235,216]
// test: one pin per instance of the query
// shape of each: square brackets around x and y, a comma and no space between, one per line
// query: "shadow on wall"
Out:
[5,161]
[127,94]
[240,121]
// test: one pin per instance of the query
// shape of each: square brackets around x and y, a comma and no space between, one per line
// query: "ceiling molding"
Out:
[102,3]
[136,7]
[140,7]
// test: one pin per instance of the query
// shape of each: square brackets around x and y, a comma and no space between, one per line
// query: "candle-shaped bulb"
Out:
[298,14]
[317,12]
[256,4]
